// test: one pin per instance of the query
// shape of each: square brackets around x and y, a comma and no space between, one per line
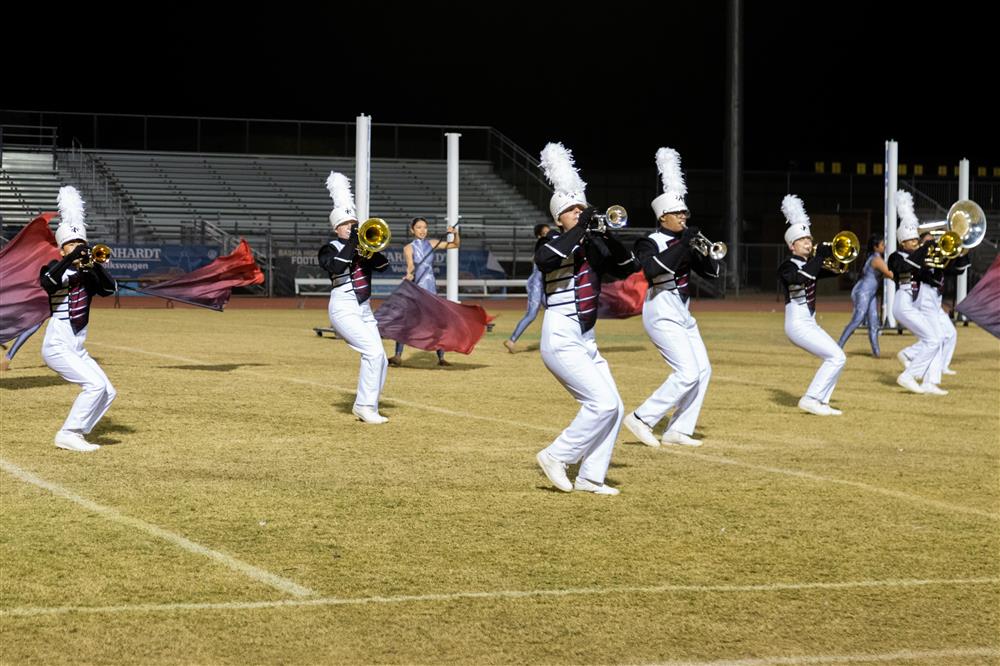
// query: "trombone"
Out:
[846,248]
[373,236]
[616,217]
[717,250]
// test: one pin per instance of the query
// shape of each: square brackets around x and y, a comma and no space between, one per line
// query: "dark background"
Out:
[823,81]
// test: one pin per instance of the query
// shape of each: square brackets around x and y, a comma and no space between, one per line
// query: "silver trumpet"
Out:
[706,247]
[616,217]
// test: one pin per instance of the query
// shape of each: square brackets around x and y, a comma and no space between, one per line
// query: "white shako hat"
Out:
[71,225]
[668,163]
[908,222]
[557,163]
[795,215]
[343,201]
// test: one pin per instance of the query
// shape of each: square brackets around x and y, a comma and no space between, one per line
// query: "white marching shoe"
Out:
[640,430]
[555,470]
[674,437]
[907,381]
[591,487]
[933,389]
[902,359]
[833,411]
[814,406]
[369,415]
[948,371]
[74,441]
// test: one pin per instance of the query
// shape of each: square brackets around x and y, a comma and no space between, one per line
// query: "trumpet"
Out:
[373,236]
[846,247]
[717,250]
[616,217]
[98,254]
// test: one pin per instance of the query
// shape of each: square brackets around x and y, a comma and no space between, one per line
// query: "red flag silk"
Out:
[211,285]
[23,302]
[423,320]
[624,298]
[982,305]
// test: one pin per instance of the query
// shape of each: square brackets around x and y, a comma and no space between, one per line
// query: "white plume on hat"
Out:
[904,208]
[795,215]
[558,165]
[343,200]
[908,221]
[668,163]
[71,213]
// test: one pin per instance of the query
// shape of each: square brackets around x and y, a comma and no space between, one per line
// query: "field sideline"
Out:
[238,514]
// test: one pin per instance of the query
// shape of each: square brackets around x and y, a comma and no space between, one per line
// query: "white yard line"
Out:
[256,573]
[900,655]
[498,594]
[808,476]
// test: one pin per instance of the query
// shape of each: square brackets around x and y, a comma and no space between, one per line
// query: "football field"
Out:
[238,514]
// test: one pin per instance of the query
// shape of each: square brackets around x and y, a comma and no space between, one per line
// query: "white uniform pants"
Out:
[573,358]
[62,350]
[684,391]
[929,304]
[807,334]
[925,355]
[356,324]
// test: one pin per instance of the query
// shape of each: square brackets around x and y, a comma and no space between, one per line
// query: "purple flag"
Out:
[210,286]
[982,305]
[423,320]
[623,298]
[23,302]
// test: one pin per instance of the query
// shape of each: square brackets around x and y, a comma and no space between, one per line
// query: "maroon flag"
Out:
[23,302]
[210,286]
[423,320]
[982,305]
[624,298]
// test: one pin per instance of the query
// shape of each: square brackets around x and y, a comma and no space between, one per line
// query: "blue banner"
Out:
[158,262]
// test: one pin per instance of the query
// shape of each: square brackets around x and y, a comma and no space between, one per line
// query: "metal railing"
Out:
[103,194]
[40,138]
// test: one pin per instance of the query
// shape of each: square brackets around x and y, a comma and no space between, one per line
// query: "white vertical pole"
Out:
[452,216]
[362,165]
[891,183]
[962,282]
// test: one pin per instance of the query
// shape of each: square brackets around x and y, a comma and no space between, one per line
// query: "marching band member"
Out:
[906,263]
[667,258]
[350,307]
[71,283]
[929,302]
[865,294]
[572,261]
[798,275]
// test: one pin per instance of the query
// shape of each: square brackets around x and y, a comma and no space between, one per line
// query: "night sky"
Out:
[823,81]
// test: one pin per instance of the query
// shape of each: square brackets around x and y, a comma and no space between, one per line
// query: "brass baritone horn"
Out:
[965,218]
[706,247]
[373,236]
[968,220]
[616,217]
[947,247]
[846,249]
